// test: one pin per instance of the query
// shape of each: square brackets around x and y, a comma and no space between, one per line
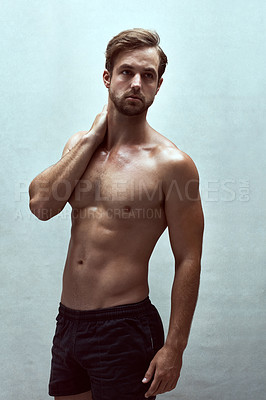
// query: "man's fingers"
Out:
[158,386]
[153,388]
[165,387]
[149,373]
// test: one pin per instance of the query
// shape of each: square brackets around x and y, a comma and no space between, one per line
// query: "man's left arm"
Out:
[185,224]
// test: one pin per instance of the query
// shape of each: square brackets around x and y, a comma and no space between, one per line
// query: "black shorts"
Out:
[106,351]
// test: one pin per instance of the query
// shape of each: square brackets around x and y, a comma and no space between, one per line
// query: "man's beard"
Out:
[130,108]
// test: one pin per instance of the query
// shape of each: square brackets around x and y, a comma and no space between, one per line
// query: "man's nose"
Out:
[136,81]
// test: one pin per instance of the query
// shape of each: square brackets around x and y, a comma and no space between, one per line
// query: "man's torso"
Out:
[117,218]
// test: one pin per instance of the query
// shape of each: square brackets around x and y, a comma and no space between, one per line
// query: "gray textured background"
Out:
[211,105]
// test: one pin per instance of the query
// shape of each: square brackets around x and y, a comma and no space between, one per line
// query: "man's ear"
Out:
[159,85]
[106,78]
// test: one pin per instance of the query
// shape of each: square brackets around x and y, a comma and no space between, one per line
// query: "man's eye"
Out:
[149,76]
[126,72]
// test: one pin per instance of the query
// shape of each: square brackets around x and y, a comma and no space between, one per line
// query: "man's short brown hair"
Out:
[132,39]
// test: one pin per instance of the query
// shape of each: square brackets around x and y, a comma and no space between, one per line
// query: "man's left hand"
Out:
[165,367]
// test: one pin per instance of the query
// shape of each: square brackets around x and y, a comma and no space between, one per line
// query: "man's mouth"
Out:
[134,97]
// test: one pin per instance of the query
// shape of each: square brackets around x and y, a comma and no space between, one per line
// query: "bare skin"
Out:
[81,396]
[126,183]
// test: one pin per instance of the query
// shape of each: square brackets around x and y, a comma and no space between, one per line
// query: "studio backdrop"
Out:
[211,105]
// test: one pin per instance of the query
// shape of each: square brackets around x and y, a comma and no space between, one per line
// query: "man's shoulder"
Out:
[173,162]
[170,155]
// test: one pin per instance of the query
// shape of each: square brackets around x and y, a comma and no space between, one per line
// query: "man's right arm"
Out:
[51,189]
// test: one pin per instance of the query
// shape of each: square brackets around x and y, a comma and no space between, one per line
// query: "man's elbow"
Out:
[192,263]
[41,206]
[42,211]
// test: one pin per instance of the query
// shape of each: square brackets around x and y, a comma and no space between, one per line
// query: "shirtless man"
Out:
[126,183]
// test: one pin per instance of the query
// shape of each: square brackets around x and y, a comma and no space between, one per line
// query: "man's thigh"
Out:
[111,352]
[81,396]
[126,347]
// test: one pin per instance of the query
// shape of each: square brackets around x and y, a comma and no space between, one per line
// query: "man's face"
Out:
[134,81]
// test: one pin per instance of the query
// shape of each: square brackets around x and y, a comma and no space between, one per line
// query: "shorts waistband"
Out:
[125,310]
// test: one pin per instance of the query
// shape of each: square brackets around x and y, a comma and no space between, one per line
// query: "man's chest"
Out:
[117,182]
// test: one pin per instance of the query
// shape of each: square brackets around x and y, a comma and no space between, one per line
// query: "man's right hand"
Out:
[99,126]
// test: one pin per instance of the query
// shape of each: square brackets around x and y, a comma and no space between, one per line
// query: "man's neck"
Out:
[125,130]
